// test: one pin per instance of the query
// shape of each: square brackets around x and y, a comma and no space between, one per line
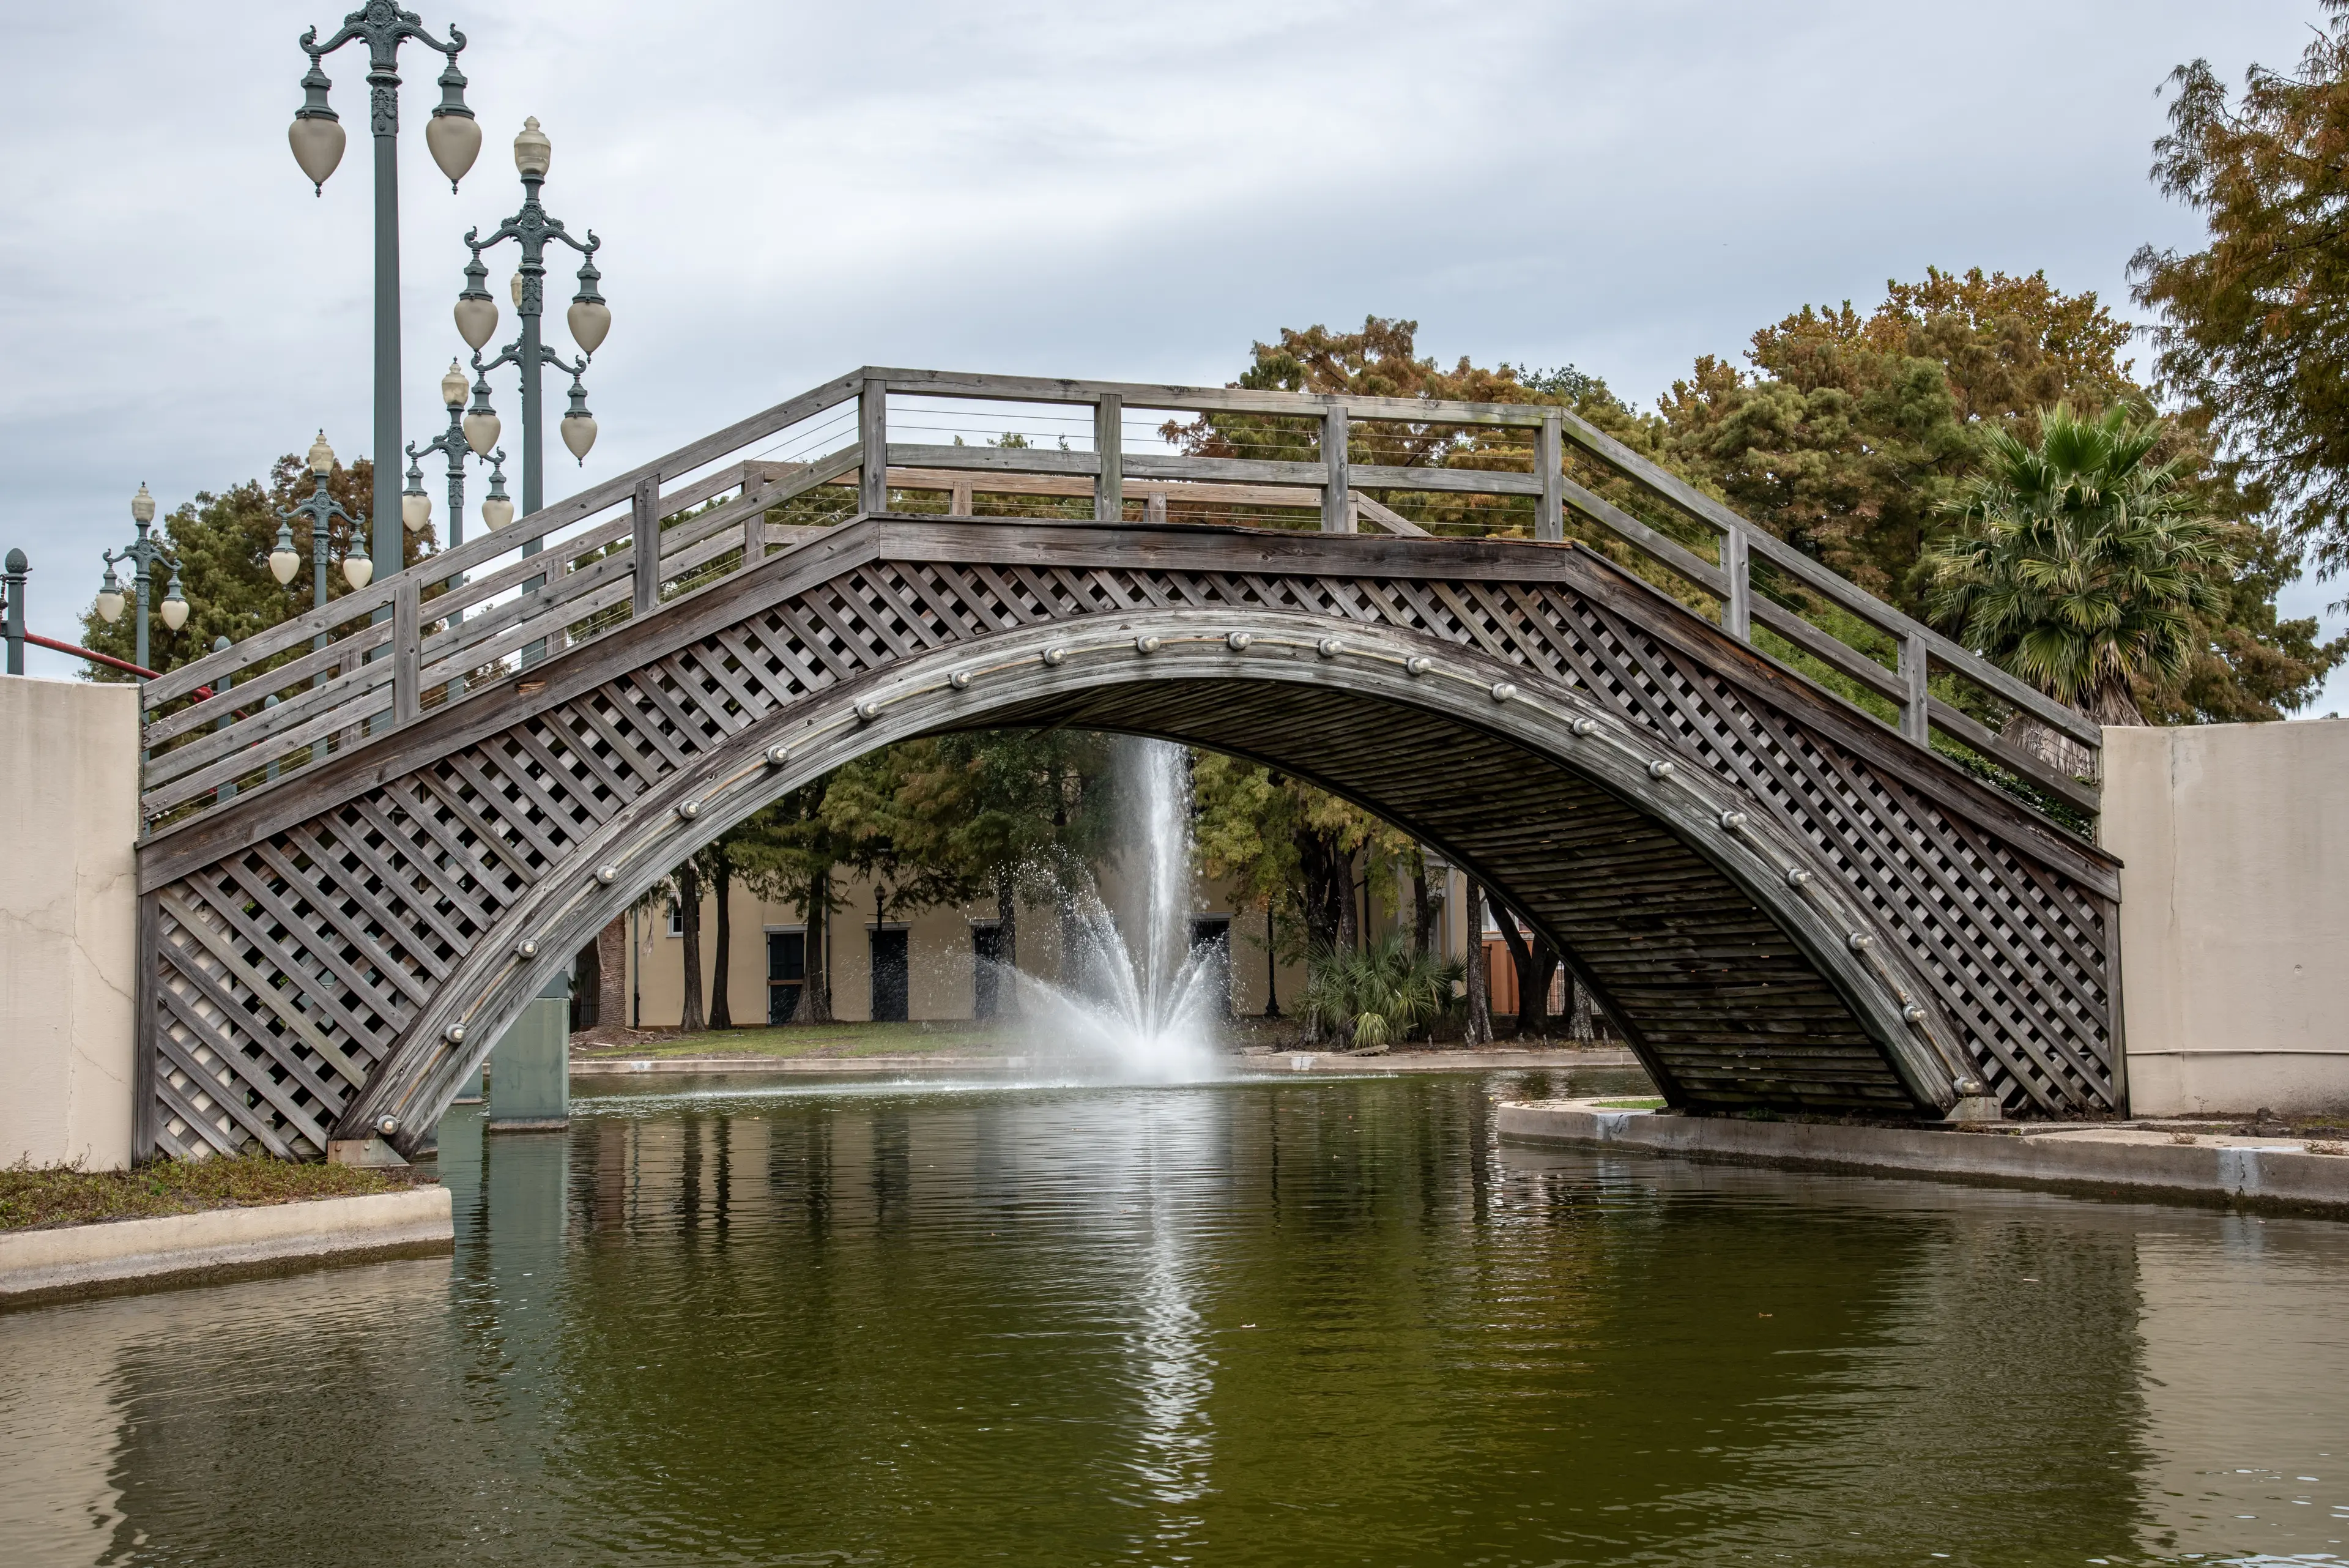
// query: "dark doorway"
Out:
[587,988]
[889,977]
[987,974]
[1216,932]
[786,974]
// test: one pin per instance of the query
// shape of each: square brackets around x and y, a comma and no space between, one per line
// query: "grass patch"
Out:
[820,1041]
[34,1195]
[1653,1103]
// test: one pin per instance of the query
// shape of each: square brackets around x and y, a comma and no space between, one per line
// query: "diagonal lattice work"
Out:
[295,936]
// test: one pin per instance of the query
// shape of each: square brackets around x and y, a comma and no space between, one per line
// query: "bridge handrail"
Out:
[409,643]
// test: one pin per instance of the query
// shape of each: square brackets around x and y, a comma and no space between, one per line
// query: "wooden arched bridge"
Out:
[1776,826]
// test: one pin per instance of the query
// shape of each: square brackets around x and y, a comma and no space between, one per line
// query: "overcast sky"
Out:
[786,190]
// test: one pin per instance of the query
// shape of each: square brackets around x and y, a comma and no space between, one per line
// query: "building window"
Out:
[676,919]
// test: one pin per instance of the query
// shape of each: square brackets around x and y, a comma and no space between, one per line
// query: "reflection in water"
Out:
[1254,1323]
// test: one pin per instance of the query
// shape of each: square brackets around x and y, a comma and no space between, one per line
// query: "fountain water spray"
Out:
[1145,1010]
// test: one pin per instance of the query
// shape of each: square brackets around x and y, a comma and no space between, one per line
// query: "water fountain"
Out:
[1143,1011]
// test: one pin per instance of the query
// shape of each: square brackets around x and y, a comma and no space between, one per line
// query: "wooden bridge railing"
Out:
[565,574]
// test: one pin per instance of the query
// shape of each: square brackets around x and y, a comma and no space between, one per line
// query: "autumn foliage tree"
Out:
[2254,327]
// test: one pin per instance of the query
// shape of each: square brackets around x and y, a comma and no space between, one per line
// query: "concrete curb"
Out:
[216,1243]
[1274,1062]
[2277,1175]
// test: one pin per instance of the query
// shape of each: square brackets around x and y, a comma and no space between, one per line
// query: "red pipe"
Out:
[37,640]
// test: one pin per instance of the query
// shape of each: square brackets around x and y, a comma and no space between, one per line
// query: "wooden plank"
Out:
[1336,517]
[644,520]
[260,724]
[872,442]
[1549,461]
[1233,400]
[1108,448]
[1916,721]
[1658,546]
[1388,518]
[994,459]
[1737,606]
[1998,749]
[406,697]
[1828,649]
[1450,480]
[538,524]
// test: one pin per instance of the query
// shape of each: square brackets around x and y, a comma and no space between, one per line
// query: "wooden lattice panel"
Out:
[288,959]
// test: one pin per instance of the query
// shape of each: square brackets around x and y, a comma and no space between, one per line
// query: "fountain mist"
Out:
[1145,1009]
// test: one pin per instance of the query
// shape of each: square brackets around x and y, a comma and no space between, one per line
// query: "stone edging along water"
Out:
[2275,1175]
[1299,1061]
[218,1243]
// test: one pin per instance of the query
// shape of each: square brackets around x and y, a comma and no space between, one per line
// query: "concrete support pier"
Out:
[2288,1175]
[530,1066]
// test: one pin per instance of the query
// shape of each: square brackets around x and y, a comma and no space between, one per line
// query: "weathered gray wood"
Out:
[1231,399]
[1549,461]
[1109,447]
[538,524]
[873,442]
[1153,507]
[1915,670]
[1737,606]
[1337,517]
[2006,754]
[1388,519]
[1447,480]
[145,1118]
[1659,547]
[644,520]
[1829,649]
[1007,460]
[406,696]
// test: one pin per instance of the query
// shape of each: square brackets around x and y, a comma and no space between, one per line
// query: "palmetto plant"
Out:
[1382,993]
[2082,562]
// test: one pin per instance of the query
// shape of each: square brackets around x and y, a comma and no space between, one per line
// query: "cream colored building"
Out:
[941,950]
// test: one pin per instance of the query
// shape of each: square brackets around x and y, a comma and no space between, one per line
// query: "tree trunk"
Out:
[1271,965]
[1350,925]
[1521,960]
[612,975]
[1422,910]
[688,920]
[1582,1014]
[1479,1030]
[816,991]
[1533,1011]
[721,871]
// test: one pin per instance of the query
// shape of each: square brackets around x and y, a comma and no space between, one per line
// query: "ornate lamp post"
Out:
[415,506]
[321,509]
[142,554]
[589,318]
[454,139]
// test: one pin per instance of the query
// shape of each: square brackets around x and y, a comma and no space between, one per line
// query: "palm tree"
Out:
[2082,564]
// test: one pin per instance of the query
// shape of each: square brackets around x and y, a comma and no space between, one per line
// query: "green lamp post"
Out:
[143,553]
[454,139]
[322,509]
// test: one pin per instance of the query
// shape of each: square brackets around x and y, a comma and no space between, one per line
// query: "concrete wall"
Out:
[2234,913]
[68,920]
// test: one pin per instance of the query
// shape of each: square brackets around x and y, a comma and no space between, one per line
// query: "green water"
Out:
[1289,1322]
